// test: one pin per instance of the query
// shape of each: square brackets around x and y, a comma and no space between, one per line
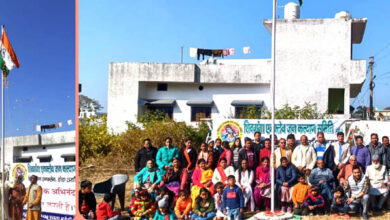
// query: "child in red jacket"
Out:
[104,210]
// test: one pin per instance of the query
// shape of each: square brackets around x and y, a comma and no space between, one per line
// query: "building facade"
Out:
[314,63]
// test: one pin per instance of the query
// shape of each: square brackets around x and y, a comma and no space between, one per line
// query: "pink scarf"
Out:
[264,174]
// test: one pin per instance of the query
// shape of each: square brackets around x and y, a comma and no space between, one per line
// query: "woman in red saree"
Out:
[227,154]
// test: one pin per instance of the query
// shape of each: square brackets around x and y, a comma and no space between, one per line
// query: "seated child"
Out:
[164,192]
[299,193]
[233,200]
[87,200]
[314,203]
[183,205]
[134,196]
[339,203]
[163,212]
[219,187]
[104,211]
[143,207]
[204,206]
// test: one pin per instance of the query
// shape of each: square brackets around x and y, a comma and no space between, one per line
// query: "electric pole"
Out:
[371,64]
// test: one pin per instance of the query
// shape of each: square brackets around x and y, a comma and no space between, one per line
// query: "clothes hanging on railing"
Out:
[198,52]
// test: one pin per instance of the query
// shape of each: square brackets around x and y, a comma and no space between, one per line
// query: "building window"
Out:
[200,112]
[247,112]
[162,87]
[167,110]
[69,157]
[44,158]
[25,159]
[336,101]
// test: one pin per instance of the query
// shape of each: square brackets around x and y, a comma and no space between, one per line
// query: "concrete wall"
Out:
[54,144]
[312,56]
[220,93]
[124,88]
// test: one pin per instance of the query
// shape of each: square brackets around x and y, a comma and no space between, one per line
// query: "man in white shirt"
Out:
[304,157]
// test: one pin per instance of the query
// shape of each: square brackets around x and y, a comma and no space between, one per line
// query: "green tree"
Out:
[94,139]
[308,111]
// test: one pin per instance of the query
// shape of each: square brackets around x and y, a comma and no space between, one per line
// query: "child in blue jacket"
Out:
[233,200]
[314,203]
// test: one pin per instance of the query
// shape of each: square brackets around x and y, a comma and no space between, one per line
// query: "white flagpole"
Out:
[2,142]
[2,147]
[273,106]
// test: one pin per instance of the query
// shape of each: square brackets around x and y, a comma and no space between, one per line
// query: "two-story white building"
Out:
[314,62]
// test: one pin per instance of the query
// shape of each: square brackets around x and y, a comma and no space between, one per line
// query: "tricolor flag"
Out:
[8,59]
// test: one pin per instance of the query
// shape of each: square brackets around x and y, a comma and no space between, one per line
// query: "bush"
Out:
[96,141]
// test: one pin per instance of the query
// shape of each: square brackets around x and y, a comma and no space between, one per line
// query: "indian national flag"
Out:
[8,59]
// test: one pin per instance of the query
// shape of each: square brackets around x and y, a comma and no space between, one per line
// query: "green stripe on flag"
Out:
[3,67]
[300,2]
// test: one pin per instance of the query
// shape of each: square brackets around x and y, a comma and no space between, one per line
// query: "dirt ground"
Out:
[100,174]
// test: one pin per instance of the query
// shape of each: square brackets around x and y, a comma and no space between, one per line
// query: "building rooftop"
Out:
[358,25]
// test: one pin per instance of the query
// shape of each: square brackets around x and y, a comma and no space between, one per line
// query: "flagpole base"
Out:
[277,215]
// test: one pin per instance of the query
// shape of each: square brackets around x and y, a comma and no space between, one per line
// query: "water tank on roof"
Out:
[343,15]
[291,11]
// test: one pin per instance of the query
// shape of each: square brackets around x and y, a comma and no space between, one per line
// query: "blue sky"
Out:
[154,30]
[42,90]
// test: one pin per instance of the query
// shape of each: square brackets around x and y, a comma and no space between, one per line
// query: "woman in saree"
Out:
[148,178]
[201,178]
[227,154]
[262,192]
[175,179]
[206,155]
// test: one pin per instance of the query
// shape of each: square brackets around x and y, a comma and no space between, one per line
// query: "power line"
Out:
[384,74]
[383,48]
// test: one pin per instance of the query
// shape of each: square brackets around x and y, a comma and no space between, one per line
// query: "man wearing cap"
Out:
[33,199]
[377,174]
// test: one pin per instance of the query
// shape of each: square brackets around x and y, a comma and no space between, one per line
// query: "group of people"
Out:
[223,181]
[18,196]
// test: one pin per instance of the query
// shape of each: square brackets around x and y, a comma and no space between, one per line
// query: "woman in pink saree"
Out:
[262,192]
[201,178]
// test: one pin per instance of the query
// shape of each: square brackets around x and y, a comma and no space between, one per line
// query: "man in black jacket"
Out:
[247,153]
[257,144]
[188,156]
[147,152]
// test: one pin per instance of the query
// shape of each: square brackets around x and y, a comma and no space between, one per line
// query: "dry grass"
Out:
[99,170]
